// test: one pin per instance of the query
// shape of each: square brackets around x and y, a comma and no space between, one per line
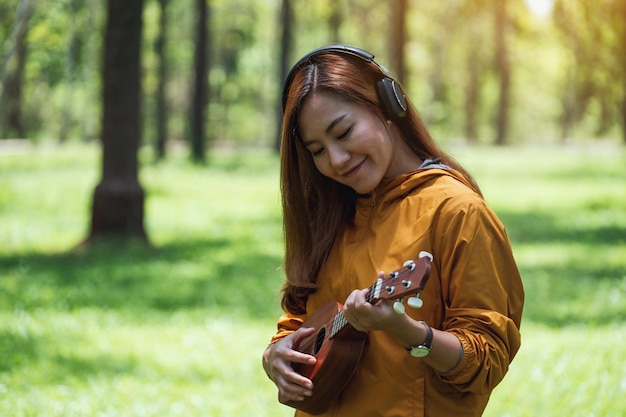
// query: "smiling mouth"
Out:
[351,171]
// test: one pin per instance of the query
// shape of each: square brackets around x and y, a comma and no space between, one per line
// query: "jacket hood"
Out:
[392,189]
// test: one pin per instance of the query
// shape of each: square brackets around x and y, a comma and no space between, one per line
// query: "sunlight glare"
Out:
[540,8]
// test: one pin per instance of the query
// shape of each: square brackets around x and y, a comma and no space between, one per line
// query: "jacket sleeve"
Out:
[287,324]
[482,294]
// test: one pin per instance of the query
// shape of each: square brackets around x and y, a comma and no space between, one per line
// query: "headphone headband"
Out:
[388,88]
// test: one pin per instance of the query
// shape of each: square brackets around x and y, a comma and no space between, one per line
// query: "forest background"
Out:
[481,71]
[181,98]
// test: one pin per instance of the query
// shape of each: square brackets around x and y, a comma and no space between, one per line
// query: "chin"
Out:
[366,189]
[363,185]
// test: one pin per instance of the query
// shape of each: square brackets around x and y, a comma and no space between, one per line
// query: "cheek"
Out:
[322,165]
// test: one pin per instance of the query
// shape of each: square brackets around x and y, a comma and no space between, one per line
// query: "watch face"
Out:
[420,351]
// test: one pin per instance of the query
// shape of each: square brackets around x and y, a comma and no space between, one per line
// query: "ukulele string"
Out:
[313,340]
[388,279]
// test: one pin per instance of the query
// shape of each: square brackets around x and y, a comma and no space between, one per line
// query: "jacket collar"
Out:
[392,189]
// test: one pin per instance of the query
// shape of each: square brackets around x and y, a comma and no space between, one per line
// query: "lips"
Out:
[351,171]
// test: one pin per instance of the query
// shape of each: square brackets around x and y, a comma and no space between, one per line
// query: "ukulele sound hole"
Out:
[319,340]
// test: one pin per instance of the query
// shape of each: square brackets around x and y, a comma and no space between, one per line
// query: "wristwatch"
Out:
[422,350]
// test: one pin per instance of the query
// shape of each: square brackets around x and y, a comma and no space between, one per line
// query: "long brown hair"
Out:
[314,206]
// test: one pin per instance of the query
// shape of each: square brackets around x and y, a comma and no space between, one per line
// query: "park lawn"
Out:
[198,363]
[178,328]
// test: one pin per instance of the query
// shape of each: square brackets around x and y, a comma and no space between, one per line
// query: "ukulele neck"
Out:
[340,322]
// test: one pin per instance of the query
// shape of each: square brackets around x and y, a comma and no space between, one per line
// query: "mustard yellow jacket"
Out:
[474,291]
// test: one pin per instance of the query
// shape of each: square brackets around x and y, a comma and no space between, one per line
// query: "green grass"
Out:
[178,328]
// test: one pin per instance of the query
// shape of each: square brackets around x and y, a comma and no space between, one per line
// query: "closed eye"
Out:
[317,152]
[345,133]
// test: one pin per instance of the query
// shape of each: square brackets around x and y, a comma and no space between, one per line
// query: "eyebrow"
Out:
[330,127]
[335,123]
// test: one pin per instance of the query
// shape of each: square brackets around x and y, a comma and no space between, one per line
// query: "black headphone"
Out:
[389,90]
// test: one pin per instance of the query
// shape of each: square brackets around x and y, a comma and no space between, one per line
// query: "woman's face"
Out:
[350,144]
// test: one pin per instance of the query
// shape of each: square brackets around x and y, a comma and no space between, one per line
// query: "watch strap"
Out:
[429,335]
[424,348]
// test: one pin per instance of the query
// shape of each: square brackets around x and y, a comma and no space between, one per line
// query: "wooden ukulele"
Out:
[338,346]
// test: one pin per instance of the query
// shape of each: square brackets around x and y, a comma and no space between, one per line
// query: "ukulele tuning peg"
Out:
[424,254]
[398,307]
[410,265]
[415,302]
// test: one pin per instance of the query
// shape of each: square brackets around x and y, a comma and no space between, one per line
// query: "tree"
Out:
[161,104]
[335,20]
[575,93]
[594,35]
[503,71]
[118,201]
[397,40]
[472,93]
[621,23]
[438,78]
[472,13]
[12,75]
[200,90]
[71,62]
[286,40]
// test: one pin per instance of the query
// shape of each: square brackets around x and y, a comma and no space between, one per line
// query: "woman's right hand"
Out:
[277,360]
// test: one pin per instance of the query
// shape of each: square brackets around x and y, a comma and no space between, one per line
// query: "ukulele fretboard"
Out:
[339,322]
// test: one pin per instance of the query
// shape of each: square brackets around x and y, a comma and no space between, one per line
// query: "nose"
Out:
[338,156]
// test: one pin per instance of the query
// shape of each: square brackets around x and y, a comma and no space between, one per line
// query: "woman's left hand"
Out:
[364,316]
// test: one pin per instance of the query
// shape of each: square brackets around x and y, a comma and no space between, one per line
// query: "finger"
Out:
[291,391]
[296,337]
[350,301]
[293,386]
[295,380]
[293,355]
[356,297]
[361,305]
[361,297]
[282,358]
[303,332]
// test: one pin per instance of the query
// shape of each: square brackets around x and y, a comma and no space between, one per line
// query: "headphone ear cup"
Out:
[391,95]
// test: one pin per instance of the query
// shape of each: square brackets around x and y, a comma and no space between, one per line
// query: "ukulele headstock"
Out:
[410,279]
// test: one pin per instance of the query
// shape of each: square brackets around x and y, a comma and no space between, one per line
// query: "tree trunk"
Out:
[118,202]
[89,123]
[286,39]
[12,76]
[622,42]
[397,39]
[70,73]
[200,89]
[503,69]
[472,95]
[335,20]
[161,104]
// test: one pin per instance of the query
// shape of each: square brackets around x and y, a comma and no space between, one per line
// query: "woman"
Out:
[364,187]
